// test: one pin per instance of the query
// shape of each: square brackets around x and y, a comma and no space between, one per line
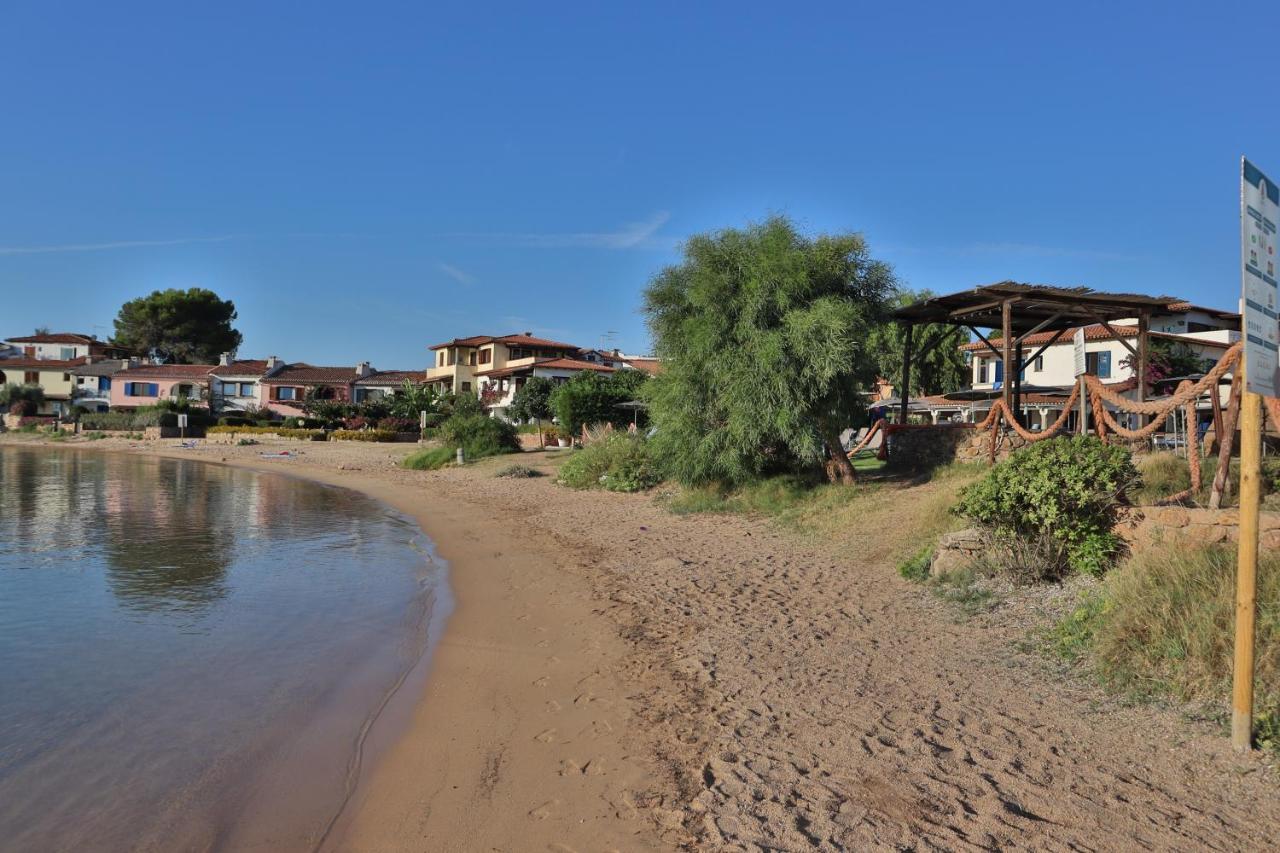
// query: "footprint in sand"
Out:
[546,736]
[544,811]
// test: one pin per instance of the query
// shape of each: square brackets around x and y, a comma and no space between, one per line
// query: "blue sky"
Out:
[366,179]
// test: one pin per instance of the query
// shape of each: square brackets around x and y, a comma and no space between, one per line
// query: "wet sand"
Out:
[617,677]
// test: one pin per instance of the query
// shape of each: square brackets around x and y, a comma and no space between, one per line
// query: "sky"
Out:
[367,179]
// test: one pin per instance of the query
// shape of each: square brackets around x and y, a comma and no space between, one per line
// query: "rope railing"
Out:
[1185,397]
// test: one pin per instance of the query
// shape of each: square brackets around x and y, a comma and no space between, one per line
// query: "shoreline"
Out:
[479,717]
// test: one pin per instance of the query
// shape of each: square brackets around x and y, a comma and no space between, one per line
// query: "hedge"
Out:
[304,434]
[362,435]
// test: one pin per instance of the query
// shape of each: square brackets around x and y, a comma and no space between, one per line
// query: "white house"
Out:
[235,385]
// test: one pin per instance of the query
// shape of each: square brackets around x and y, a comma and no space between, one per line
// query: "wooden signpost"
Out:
[1259,213]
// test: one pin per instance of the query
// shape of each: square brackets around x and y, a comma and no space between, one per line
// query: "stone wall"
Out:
[917,447]
[1145,526]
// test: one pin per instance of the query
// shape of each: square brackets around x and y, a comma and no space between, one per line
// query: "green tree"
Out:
[187,326]
[592,397]
[763,335]
[532,401]
[943,368]
[415,399]
[21,399]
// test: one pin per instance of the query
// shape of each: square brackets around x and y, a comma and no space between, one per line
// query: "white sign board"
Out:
[1078,341]
[182,421]
[1259,213]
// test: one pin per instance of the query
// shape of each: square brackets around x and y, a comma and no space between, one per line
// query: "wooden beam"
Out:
[1048,344]
[905,392]
[983,338]
[937,338]
[1022,337]
[1006,332]
[976,309]
[1110,330]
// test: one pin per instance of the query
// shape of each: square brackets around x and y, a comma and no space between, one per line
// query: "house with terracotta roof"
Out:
[496,366]
[385,383]
[52,375]
[141,384]
[288,387]
[235,384]
[62,346]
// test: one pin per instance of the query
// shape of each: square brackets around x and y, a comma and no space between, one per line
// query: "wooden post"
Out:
[1221,479]
[1246,570]
[1144,326]
[1083,426]
[905,391]
[1017,388]
[1006,330]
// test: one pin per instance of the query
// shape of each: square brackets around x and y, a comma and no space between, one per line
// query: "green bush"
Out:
[362,435]
[479,435]
[429,460]
[1066,488]
[623,462]
[107,421]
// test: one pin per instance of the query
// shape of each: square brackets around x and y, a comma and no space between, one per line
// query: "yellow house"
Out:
[54,376]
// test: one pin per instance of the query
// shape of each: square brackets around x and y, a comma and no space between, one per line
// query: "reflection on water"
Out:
[172,633]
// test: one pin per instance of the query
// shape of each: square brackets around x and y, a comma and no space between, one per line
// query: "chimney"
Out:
[364,369]
[224,359]
[528,334]
[133,361]
[272,363]
[88,359]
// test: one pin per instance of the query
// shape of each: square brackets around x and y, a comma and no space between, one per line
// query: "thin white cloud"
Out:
[635,235]
[118,244]
[458,275]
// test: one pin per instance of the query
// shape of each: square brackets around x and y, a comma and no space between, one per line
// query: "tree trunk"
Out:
[839,468]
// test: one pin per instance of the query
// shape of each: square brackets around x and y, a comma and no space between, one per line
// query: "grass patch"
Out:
[965,588]
[518,472]
[916,567]
[1162,625]
[620,462]
[1165,474]
[430,459]
[95,436]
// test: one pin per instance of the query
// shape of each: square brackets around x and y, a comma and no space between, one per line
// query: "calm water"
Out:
[190,653]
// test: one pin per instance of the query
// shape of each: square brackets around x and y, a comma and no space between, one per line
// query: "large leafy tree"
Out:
[591,398]
[185,326]
[532,401]
[764,335]
[940,371]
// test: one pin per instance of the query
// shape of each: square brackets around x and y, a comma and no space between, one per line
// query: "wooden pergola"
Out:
[1020,311]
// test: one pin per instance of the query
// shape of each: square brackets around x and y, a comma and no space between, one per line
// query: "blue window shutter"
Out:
[1104,365]
[999,370]
[153,390]
[128,389]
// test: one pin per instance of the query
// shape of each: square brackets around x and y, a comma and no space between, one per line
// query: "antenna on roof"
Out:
[607,338]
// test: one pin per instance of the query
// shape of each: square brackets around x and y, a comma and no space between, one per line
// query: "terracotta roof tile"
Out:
[306,374]
[167,371]
[393,377]
[40,363]
[56,338]
[243,367]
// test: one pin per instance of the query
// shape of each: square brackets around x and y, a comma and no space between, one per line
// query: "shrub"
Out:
[362,435]
[22,408]
[394,424]
[429,460]
[1066,488]
[356,422]
[518,472]
[621,462]
[480,435]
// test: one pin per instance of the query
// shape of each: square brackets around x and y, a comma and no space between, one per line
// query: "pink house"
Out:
[146,385]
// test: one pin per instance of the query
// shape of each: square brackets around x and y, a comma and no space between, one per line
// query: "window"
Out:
[1039,364]
[66,377]
[982,371]
[31,377]
[466,386]
[141,389]
[1098,363]
[246,389]
[104,383]
[286,393]
[440,359]
[471,358]
[453,355]
[486,356]
[68,353]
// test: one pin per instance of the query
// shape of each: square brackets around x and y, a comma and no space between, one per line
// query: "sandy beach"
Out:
[617,677]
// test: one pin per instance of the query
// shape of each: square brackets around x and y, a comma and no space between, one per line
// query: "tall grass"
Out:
[1163,624]
[1165,474]
[430,459]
